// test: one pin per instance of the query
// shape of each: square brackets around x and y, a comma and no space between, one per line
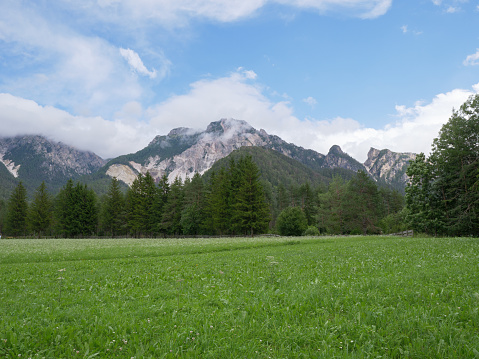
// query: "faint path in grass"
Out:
[58,250]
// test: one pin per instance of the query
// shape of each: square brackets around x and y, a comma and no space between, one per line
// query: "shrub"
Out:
[312,231]
[291,222]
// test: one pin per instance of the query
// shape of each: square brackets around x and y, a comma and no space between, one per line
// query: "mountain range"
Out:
[184,151]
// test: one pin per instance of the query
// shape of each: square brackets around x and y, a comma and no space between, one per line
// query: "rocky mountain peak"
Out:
[389,166]
[180,131]
[228,125]
[335,150]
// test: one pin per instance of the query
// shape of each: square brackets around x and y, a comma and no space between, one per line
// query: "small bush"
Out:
[291,222]
[312,231]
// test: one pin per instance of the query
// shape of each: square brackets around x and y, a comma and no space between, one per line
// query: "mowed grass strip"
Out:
[353,297]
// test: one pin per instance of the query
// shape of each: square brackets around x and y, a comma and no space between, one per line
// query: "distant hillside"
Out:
[276,168]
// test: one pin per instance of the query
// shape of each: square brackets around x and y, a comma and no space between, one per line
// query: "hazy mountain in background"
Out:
[33,159]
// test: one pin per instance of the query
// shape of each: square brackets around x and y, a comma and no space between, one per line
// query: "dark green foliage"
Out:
[217,219]
[362,208]
[192,214]
[443,196]
[40,214]
[113,210]
[291,222]
[332,207]
[275,167]
[238,198]
[141,202]
[76,211]
[250,210]
[308,203]
[17,210]
[312,231]
[172,211]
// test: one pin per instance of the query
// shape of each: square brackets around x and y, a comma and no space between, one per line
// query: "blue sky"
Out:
[109,75]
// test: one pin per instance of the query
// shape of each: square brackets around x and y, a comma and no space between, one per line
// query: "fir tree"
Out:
[76,212]
[192,214]
[250,213]
[141,201]
[173,208]
[362,209]
[40,215]
[113,212]
[17,210]
[217,218]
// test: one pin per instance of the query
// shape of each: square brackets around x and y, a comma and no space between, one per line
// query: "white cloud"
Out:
[174,13]
[472,60]
[137,65]
[63,68]
[452,9]
[19,116]
[235,96]
[311,101]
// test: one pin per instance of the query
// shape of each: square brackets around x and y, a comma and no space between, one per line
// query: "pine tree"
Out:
[443,195]
[142,198]
[332,211]
[173,208]
[217,218]
[250,211]
[362,209]
[40,214]
[113,212]
[17,210]
[192,214]
[163,190]
[308,204]
[76,210]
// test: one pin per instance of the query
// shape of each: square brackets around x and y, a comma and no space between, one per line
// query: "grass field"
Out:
[348,297]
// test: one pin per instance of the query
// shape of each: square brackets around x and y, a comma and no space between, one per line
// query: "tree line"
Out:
[443,193]
[230,201]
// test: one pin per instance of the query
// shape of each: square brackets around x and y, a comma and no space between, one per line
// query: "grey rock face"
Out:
[36,154]
[184,151]
[389,166]
[337,158]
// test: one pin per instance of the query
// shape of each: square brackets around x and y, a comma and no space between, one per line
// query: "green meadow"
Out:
[323,297]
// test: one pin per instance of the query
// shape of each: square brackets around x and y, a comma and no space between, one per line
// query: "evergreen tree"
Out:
[442,196]
[17,210]
[308,204]
[332,210]
[217,218]
[141,199]
[250,210]
[76,210]
[173,208]
[40,215]
[192,214]
[363,205]
[113,212]
[163,190]
[292,222]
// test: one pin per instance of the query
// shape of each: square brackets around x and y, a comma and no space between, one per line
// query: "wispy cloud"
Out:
[61,67]
[137,65]
[472,60]
[405,29]
[174,13]
[311,101]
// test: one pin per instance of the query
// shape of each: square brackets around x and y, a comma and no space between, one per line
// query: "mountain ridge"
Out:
[180,153]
